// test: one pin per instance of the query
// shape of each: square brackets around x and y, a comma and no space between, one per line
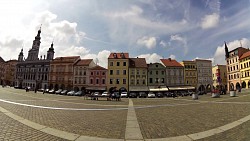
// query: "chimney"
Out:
[169,59]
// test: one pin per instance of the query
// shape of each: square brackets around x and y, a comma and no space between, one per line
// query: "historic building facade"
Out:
[233,67]
[156,77]
[2,71]
[190,73]
[62,72]
[34,71]
[174,72]
[118,64]
[204,75]
[10,72]
[97,79]
[219,76]
[138,70]
[82,73]
[245,70]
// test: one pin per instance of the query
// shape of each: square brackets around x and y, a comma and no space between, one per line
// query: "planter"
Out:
[232,93]
[194,96]
[215,95]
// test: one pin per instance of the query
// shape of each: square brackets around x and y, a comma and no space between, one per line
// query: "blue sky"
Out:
[154,29]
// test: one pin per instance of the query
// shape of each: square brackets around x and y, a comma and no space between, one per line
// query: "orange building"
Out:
[61,72]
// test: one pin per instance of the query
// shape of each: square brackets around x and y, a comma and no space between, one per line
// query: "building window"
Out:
[111,64]
[137,72]
[117,72]
[117,81]
[91,81]
[150,72]
[124,63]
[132,81]
[103,81]
[111,72]
[124,81]
[137,81]
[97,81]
[150,80]
[117,63]
[162,72]
[143,81]
[156,80]
[92,73]
[162,80]
[124,72]
[156,72]
[97,73]
[111,81]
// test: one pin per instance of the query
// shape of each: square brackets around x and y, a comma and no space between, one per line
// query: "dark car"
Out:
[159,95]
[143,94]
[132,95]
[168,94]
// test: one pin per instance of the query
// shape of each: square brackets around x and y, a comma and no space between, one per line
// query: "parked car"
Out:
[96,93]
[143,94]
[132,95]
[59,91]
[151,95]
[124,94]
[190,93]
[46,90]
[40,90]
[52,91]
[159,95]
[168,94]
[79,93]
[64,92]
[71,93]
[105,94]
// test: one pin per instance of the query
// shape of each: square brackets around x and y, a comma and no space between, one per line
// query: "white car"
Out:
[71,93]
[96,93]
[105,94]
[124,94]
[151,95]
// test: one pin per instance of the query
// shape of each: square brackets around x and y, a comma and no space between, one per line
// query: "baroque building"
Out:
[190,73]
[34,71]
[219,76]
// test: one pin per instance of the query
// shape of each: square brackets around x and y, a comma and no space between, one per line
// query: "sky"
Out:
[153,29]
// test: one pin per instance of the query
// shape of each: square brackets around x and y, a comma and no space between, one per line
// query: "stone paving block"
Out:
[178,138]
[87,138]
[59,133]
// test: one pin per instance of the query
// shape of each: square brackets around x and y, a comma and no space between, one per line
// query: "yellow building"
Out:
[190,73]
[219,76]
[118,64]
[245,69]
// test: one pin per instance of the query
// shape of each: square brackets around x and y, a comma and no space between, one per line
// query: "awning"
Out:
[158,89]
[96,88]
[181,88]
[138,88]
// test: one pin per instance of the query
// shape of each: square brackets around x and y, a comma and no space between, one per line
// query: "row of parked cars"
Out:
[157,94]
[62,92]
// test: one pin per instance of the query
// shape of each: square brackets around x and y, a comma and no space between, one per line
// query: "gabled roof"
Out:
[98,68]
[84,62]
[137,63]
[246,54]
[118,55]
[171,63]
[1,59]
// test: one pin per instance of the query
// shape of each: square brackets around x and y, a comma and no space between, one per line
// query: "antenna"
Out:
[96,61]
[240,43]
[41,26]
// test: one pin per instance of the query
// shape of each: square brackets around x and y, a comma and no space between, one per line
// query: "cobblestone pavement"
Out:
[12,130]
[157,117]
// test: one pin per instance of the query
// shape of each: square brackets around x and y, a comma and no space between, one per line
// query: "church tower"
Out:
[226,51]
[34,51]
[50,52]
[20,56]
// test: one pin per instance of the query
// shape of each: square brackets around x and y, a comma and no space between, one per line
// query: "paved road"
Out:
[154,119]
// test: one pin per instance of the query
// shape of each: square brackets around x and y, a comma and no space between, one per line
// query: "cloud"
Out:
[149,42]
[101,58]
[181,40]
[172,56]
[151,58]
[210,21]
[219,55]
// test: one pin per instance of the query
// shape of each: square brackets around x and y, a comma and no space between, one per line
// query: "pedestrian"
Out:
[43,91]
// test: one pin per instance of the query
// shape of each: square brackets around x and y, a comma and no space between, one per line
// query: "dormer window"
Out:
[115,55]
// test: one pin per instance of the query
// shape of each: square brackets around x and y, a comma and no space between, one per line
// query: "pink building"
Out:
[97,79]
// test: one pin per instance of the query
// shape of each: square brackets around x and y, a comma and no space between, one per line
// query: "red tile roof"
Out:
[118,55]
[84,62]
[98,68]
[246,54]
[171,63]
[137,63]
[67,58]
